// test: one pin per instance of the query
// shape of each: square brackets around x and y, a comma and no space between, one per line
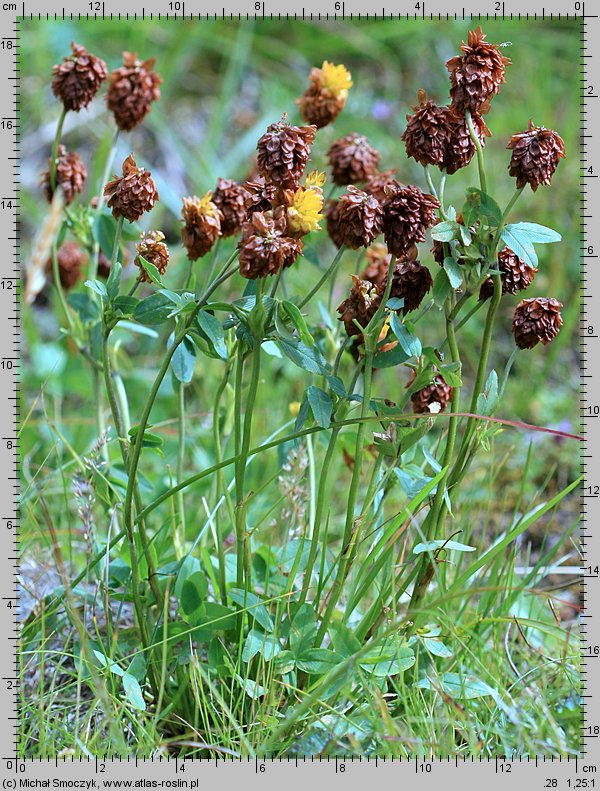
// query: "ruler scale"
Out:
[164,771]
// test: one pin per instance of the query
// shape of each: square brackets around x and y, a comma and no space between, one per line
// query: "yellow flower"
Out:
[315,179]
[294,408]
[336,79]
[206,206]
[304,211]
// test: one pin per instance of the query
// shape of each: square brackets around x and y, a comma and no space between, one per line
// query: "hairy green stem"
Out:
[222,484]
[55,145]
[435,515]
[243,436]
[329,272]
[479,150]
[162,372]
[180,521]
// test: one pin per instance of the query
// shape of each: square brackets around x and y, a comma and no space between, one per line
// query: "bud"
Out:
[132,194]
[477,74]
[535,156]
[359,218]
[78,78]
[133,87]
[71,261]
[536,320]
[152,248]
[361,306]
[201,225]
[352,159]
[433,398]
[283,152]
[70,175]
[264,247]
[326,95]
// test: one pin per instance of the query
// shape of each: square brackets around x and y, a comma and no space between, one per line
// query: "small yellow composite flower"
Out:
[304,210]
[294,408]
[336,79]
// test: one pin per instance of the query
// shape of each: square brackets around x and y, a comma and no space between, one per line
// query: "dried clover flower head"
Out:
[358,220]
[536,320]
[326,94]
[261,195]
[360,306]
[477,74]
[352,159]
[201,225]
[408,212]
[70,175]
[152,248]
[70,259]
[435,397]
[283,152]
[133,87]
[410,281]
[232,200]
[78,78]
[427,131]
[535,156]
[377,182]
[516,275]
[460,148]
[132,194]
[305,206]
[264,246]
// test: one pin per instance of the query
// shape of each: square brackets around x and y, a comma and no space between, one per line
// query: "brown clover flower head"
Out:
[378,265]
[232,200]
[326,95]
[536,320]
[535,156]
[133,193]
[477,74]
[361,305]
[283,152]
[70,175]
[332,218]
[264,247]
[71,261]
[153,249]
[377,182]
[408,212]
[261,195]
[410,282]
[438,392]
[516,275]
[201,225]
[427,131]
[460,148]
[359,218]
[132,89]
[78,78]
[352,159]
